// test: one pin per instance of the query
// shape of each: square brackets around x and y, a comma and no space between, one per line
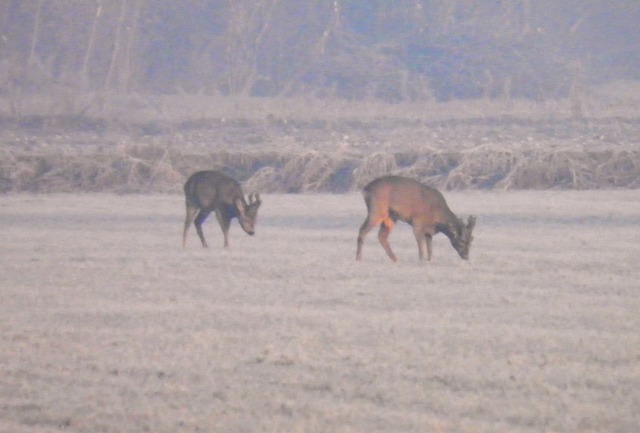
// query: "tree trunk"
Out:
[128,61]
[578,91]
[115,54]
[36,32]
[84,72]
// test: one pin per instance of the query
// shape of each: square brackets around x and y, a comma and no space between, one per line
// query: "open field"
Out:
[108,325]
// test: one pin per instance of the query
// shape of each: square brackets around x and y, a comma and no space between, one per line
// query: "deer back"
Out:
[212,189]
[407,200]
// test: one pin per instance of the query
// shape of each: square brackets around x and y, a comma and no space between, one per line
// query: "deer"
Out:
[392,198]
[213,191]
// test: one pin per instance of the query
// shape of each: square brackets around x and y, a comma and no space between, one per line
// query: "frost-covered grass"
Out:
[107,324]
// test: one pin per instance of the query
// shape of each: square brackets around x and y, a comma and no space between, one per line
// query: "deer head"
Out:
[462,236]
[248,212]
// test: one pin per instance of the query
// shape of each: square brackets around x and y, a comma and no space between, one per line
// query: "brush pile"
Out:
[472,155]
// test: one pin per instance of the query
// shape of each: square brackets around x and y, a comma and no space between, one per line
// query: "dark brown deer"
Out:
[393,198]
[214,191]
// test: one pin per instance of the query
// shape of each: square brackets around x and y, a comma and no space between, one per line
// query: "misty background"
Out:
[319,95]
[354,49]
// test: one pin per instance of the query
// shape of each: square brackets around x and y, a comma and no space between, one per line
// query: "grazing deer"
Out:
[208,191]
[393,198]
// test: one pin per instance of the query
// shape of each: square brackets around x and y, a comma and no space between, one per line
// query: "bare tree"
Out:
[84,71]
[129,57]
[36,33]
[115,53]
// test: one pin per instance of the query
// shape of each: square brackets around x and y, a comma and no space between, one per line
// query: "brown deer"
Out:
[393,198]
[209,191]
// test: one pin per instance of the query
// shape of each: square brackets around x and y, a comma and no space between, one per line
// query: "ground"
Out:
[108,325]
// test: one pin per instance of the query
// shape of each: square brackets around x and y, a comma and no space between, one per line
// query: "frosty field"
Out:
[108,325]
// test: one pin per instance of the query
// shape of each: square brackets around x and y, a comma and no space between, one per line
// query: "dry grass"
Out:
[374,166]
[616,99]
[307,145]
[107,324]
[148,168]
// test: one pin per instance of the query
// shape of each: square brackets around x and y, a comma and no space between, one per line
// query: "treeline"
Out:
[404,50]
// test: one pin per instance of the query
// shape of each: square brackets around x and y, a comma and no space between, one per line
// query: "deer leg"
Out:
[420,238]
[364,229]
[429,239]
[191,215]
[383,237]
[202,215]
[225,223]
